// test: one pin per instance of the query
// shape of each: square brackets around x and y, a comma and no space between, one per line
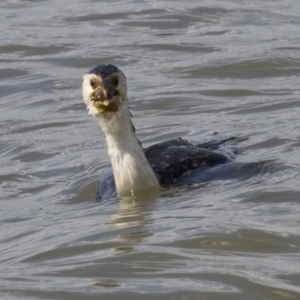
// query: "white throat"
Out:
[132,171]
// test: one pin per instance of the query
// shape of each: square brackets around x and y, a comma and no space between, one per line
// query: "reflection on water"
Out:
[132,210]
[200,71]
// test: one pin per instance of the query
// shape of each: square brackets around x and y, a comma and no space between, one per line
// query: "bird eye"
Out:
[114,81]
[93,83]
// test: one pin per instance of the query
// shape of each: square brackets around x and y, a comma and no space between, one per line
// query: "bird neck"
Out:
[131,168]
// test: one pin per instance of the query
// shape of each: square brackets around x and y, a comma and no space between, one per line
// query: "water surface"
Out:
[195,69]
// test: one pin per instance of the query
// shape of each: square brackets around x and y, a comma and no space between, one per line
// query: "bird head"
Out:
[104,89]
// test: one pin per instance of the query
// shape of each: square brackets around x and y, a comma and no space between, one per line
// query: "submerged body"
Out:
[135,169]
[195,169]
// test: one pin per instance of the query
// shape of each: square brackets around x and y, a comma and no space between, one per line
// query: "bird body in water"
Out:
[136,169]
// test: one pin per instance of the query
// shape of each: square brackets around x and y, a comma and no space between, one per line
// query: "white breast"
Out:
[132,171]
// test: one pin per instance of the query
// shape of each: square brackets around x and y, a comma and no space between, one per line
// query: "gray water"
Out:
[195,69]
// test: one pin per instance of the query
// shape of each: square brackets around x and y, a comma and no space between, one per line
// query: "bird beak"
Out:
[105,98]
